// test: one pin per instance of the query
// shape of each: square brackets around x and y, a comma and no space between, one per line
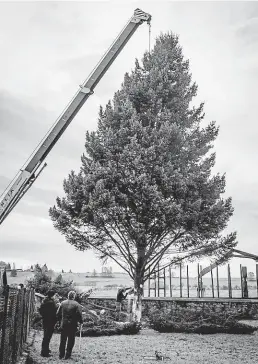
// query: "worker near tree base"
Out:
[47,311]
[69,312]
[121,296]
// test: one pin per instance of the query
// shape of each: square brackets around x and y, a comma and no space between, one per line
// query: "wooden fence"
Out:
[206,283]
[16,309]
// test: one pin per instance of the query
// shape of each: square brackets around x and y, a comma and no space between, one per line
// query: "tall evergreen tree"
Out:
[42,283]
[145,183]
[13,272]
[59,279]
[37,268]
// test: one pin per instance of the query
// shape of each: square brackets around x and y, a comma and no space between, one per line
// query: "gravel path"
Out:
[180,348]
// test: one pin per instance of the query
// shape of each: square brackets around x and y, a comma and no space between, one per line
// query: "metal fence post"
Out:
[217,269]
[229,283]
[180,280]
[212,283]
[155,283]
[257,280]
[241,280]
[170,281]
[149,286]
[201,285]
[245,286]
[158,280]
[198,280]
[164,282]
[187,281]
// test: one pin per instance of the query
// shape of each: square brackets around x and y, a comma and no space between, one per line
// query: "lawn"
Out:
[21,277]
[180,348]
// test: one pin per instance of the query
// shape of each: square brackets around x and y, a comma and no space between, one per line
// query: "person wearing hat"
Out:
[48,310]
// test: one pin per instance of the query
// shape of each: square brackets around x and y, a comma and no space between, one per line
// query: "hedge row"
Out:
[131,328]
[197,322]
[188,321]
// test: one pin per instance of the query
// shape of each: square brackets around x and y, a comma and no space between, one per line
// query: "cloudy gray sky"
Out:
[48,49]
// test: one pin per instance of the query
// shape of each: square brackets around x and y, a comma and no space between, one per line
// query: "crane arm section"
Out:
[28,175]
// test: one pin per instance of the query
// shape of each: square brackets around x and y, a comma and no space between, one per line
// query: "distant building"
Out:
[28,269]
[94,273]
[107,272]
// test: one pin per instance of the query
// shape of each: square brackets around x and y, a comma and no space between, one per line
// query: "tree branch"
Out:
[117,245]
[101,251]
[126,244]
[155,244]
[156,259]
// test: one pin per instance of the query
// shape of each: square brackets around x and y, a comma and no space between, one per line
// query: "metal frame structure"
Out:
[27,176]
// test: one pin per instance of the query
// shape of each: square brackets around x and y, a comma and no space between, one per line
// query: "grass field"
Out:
[102,286]
[180,348]
[22,277]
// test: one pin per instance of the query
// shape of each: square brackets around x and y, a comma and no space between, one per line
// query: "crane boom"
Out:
[27,176]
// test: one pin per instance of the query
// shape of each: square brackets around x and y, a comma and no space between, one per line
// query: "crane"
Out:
[34,166]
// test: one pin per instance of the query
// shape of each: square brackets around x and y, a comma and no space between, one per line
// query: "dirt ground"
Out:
[138,349]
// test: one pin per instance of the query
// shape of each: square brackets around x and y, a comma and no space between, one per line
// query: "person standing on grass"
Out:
[70,313]
[48,310]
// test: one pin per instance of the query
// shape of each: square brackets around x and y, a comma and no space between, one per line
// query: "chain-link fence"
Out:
[16,309]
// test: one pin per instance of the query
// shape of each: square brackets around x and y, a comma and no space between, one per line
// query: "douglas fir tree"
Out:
[145,183]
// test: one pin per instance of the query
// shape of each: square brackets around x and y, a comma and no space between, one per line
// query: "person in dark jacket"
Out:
[48,310]
[70,313]
[121,296]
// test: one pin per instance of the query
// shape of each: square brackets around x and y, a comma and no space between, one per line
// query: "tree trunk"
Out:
[138,287]
[137,299]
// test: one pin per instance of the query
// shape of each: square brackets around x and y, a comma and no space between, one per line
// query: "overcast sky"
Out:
[48,49]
